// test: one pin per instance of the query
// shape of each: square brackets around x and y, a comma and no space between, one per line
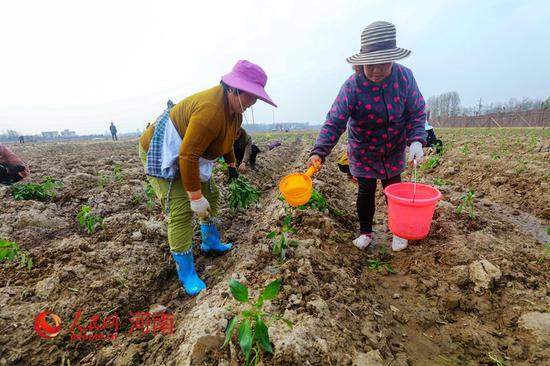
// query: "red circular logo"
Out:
[43,328]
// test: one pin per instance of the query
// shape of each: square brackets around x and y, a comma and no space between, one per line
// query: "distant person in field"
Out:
[112,127]
[383,111]
[273,145]
[12,168]
[432,141]
[178,152]
[245,151]
[21,139]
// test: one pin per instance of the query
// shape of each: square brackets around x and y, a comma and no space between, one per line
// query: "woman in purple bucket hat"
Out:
[179,150]
[383,111]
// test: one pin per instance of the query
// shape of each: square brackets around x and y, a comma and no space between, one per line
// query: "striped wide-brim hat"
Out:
[378,46]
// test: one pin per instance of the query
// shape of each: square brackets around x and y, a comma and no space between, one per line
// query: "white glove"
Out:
[201,207]
[415,151]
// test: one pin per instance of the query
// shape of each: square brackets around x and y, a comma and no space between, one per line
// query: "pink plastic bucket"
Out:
[408,219]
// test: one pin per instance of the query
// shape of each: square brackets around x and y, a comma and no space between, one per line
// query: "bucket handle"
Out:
[413,178]
[310,171]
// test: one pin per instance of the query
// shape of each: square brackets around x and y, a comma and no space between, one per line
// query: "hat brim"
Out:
[246,86]
[378,57]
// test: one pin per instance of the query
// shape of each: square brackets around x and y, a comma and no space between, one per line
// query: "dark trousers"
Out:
[366,200]
[113,136]
[239,154]
[9,174]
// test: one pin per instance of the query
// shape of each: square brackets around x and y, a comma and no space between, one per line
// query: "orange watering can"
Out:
[296,187]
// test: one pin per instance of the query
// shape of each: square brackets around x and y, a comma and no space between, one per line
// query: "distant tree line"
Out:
[448,104]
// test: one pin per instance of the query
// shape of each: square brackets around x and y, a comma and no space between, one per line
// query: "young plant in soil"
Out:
[36,191]
[222,167]
[281,243]
[546,252]
[440,182]
[497,361]
[242,193]
[103,180]
[381,263]
[117,172]
[465,149]
[522,166]
[150,197]
[253,323]
[88,220]
[467,204]
[432,162]
[319,202]
[11,251]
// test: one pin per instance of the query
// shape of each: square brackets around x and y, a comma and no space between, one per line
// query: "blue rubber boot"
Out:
[211,239]
[186,272]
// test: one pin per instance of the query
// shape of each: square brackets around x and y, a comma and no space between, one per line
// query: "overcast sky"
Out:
[81,64]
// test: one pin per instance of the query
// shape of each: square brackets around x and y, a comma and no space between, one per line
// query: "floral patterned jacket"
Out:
[381,119]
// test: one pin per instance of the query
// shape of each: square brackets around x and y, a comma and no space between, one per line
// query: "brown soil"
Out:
[459,297]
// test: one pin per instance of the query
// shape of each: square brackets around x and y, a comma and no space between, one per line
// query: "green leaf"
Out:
[229,331]
[389,268]
[238,290]
[272,290]
[260,302]
[11,255]
[29,264]
[288,322]
[249,314]
[272,234]
[262,335]
[245,338]
[373,263]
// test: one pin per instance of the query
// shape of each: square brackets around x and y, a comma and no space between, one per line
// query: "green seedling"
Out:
[440,182]
[103,180]
[432,162]
[253,323]
[520,168]
[150,196]
[467,204]
[546,252]
[281,243]
[10,251]
[497,360]
[117,172]
[381,263]
[495,155]
[242,193]
[221,167]
[136,199]
[36,191]
[319,202]
[88,220]
[465,149]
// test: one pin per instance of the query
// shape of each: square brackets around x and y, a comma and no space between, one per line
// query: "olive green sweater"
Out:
[207,130]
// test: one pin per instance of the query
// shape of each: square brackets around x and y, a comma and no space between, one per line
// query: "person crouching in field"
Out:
[383,111]
[12,168]
[179,150]
[434,144]
[245,151]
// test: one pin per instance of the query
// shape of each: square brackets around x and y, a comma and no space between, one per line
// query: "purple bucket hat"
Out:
[249,78]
